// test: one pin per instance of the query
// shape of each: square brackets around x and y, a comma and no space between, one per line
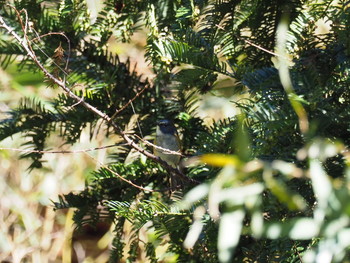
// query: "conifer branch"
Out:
[26,45]
[126,180]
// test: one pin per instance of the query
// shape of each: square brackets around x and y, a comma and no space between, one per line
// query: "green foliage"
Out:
[272,191]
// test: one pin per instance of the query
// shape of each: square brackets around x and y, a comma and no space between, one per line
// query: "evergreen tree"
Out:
[282,193]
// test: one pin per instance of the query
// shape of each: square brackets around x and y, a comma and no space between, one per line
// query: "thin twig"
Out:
[166,151]
[77,103]
[60,151]
[252,44]
[261,48]
[60,34]
[137,121]
[126,180]
[130,101]
[296,250]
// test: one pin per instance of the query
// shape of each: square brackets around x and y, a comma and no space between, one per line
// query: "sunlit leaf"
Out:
[229,234]
[239,195]
[322,187]
[196,228]
[298,229]
[220,160]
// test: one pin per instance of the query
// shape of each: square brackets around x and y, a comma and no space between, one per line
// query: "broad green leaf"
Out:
[196,228]
[216,159]
[322,187]
[323,149]
[303,228]
[239,195]
[257,224]
[229,234]
[280,190]
[336,225]
[288,169]
[226,175]
[242,140]
[297,229]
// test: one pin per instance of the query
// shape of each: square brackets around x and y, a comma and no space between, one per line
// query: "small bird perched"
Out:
[167,138]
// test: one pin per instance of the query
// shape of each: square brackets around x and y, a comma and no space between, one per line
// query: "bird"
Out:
[167,138]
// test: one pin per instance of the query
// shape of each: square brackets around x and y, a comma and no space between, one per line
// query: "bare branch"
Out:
[166,151]
[60,151]
[130,101]
[126,180]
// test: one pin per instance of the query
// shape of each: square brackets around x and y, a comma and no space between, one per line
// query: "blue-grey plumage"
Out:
[167,137]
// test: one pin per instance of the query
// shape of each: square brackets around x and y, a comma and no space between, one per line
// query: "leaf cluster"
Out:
[268,195]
